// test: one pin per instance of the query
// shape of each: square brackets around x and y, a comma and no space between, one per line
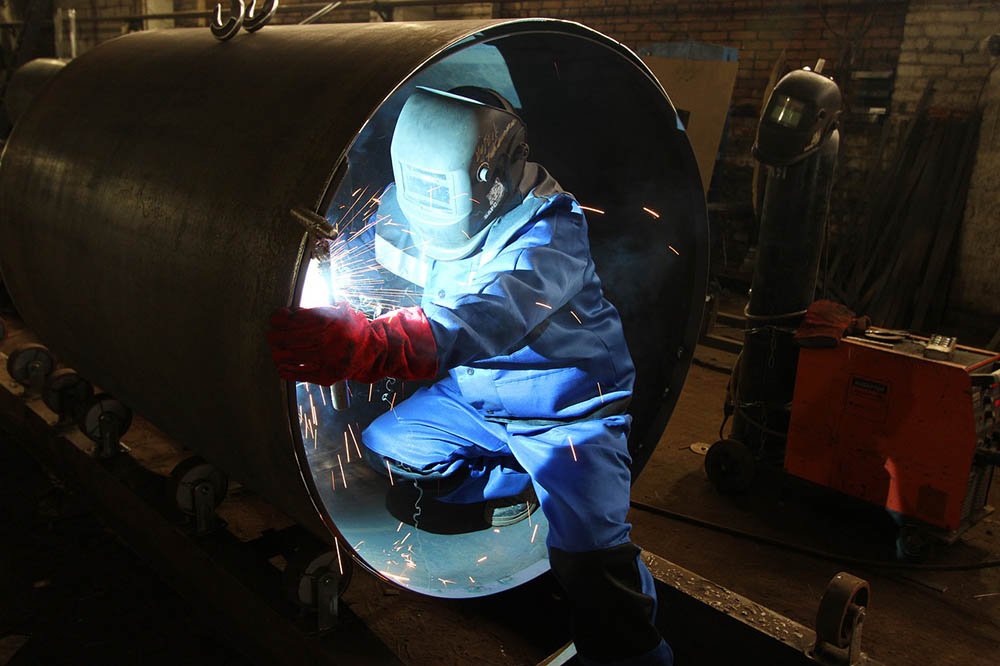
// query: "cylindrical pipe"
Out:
[27,81]
[148,240]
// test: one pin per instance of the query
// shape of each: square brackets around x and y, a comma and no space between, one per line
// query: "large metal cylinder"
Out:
[145,233]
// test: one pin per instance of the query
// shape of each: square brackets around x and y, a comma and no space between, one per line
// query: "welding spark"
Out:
[445,581]
[592,209]
[673,250]
[575,317]
[371,387]
[358,544]
[405,538]
[572,449]
[400,526]
[481,559]
[340,564]
[543,305]
[323,395]
[393,403]
[355,192]
[354,439]
[391,482]
[312,407]
[471,579]
[534,533]
[496,530]
[316,443]
[600,392]
[347,446]
[651,212]
[403,579]
[333,480]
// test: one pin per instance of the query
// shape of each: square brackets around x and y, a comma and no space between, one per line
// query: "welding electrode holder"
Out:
[322,232]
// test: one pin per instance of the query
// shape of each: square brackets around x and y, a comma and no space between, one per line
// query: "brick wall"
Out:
[941,46]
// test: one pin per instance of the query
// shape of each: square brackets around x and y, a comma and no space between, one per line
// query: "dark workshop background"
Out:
[884,54]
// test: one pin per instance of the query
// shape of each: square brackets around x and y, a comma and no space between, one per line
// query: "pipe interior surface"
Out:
[148,240]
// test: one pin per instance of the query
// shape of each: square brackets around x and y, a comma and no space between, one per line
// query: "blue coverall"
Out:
[539,377]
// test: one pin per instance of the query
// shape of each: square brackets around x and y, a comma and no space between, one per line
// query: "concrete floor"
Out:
[69,588]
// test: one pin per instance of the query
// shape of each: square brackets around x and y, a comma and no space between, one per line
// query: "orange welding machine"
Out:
[902,422]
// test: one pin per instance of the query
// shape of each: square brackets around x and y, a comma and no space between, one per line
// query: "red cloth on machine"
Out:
[827,322]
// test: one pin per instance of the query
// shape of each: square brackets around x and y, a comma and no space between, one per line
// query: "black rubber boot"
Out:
[612,617]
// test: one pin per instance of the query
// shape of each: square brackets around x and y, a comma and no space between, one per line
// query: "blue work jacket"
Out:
[521,325]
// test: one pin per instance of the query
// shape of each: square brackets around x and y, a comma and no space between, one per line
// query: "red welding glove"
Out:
[827,322]
[328,344]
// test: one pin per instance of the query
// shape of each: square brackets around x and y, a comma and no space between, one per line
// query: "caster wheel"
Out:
[730,466]
[30,365]
[841,610]
[186,476]
[66,393]
[104,411]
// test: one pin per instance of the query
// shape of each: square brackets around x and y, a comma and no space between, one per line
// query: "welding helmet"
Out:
[800,114]
[457,158]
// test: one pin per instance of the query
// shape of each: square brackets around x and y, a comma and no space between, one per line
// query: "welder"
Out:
[533,372]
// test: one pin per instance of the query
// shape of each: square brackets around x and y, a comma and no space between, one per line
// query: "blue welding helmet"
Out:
[457,161]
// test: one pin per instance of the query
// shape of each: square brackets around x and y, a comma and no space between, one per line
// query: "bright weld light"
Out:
[543,305]
[673,250]
[534,533]
[572,449]
[593,210]
[651,212]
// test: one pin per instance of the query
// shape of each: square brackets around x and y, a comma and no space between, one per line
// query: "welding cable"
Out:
[812,552]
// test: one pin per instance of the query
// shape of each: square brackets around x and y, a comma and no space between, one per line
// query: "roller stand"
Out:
[67,394]
[838,622]
[315,585]
[105,420]
[198,490]
[30,365]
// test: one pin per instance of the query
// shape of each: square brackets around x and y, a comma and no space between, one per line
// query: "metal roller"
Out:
[148,240]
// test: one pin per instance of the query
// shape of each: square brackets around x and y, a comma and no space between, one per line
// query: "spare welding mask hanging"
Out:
[457,163]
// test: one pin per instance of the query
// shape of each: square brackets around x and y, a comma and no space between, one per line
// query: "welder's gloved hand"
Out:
[328,344]
[827,322]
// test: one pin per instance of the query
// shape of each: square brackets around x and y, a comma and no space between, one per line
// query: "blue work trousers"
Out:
[580,471]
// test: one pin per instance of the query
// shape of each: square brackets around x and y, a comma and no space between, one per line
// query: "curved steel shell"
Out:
[145,232]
